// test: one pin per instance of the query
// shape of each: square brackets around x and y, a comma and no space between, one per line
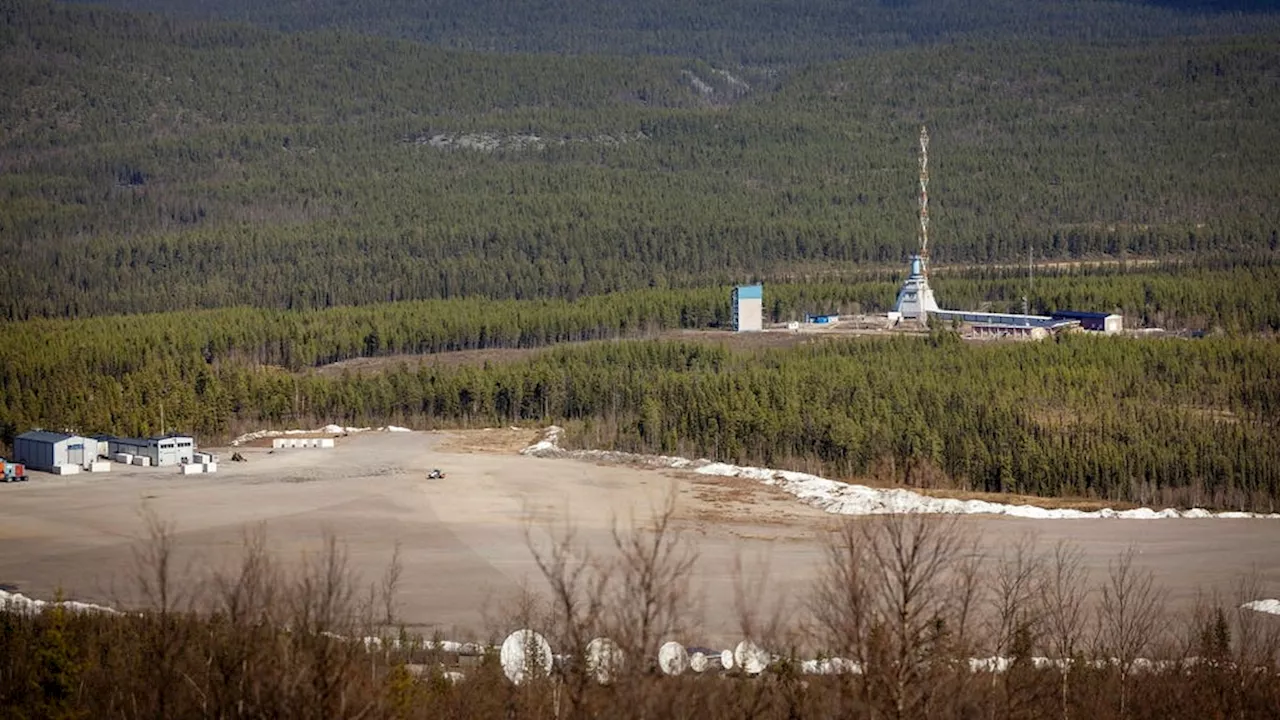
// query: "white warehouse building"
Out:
[163,450]
[49,451]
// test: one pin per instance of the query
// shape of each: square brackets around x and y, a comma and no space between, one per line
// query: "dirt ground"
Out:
[465,550]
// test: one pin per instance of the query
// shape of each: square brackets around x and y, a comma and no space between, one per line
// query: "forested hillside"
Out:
[1172,421]
[153,164]
[1165,422]
[740,31]
[199,216]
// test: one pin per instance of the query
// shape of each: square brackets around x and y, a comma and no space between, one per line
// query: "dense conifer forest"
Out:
[1153,421]
[740,31]
[156,164]
[203,215]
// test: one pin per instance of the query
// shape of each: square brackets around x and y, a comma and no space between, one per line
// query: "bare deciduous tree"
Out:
[888,599]
[841,601]
[153,563]
[1128,615]
[391,586]
[1062,592]
[654,567]
[245,599]
[579,587]
[323,614]
[155,572]
[1013,622]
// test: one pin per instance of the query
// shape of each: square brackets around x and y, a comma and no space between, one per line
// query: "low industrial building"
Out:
[1033,332]
[103,445]
[1002,320]
[51,451]
[159,451]
[1106,323]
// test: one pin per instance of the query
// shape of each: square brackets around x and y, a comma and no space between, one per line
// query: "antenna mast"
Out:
[924,199]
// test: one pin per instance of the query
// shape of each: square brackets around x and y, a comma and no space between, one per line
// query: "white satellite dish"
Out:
[604,659]
[673,659]
[698,662]
[750,657]
[726,659]
[525,654]
[704,659]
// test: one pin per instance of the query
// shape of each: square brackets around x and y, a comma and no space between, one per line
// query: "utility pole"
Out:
[1026,298]
[1028,294]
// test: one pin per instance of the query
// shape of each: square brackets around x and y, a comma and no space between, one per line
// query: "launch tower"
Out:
[915,298]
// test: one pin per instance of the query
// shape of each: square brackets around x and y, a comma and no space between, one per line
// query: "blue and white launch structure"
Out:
[915,297]
[917,302]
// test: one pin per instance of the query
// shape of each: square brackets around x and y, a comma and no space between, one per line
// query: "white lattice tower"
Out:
[915,297]
[924,198]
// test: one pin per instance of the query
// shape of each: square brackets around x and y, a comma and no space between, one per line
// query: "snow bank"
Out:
[841,498]
[548,446]
[17,602]
[490,142]
[374,642]
[1001,664]
[326,430]
[1266,606]
[830,666]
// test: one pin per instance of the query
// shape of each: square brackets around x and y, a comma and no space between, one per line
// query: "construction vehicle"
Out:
[435,474]
[12,472]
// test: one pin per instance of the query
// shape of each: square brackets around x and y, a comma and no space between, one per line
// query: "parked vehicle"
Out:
[12,472]
[435,474]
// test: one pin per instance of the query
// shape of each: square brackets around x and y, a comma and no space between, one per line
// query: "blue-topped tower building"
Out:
[748,308]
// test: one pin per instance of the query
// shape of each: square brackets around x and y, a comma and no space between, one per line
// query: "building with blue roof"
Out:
[44,450]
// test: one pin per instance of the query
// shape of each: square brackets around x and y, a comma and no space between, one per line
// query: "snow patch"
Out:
[699,84]
[17,602]
[733,80]
[841,498]
[492,142]
[830,666]
[326,430]
[374,642]
[1266,606]
[549,447]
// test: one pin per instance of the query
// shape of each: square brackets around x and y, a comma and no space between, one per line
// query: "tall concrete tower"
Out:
[915,298]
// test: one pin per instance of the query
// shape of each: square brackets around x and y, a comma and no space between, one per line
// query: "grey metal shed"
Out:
[174,449]
[43,450]
[163,450]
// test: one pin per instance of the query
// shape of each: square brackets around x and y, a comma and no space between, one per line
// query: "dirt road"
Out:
[465,550]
